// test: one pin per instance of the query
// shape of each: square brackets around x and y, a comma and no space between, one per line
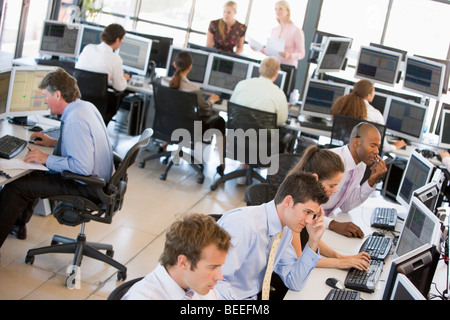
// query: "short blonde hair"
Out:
[269,67]
[285,5]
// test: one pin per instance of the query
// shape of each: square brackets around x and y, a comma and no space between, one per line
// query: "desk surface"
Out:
[23,133]
[316,289]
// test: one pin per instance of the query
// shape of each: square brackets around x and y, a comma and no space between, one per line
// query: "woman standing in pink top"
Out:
[293,36]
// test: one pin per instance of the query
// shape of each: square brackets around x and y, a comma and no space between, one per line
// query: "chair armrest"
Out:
[92,181]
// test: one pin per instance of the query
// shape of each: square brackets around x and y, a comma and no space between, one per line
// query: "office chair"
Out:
[247,120]
[76,210]
[174,109]
[94,88]
[121,290]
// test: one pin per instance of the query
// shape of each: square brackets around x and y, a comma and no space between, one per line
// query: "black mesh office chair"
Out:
[174,109]
[94,88]
[242,121]
[121,290]
[76,210]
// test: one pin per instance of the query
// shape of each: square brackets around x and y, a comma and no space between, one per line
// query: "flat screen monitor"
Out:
[424,76]
[429,195]
[319,97]
[444,133]
[279,81]
[199,63]
[381,102]
[5,76]
[418,265]
[135,53]
[417,173]
[90,35]
[447,71]
[421,227]
[378,65]
[24,96]
[404,289]
[60,39]
[291,78]
[225,72]
[160,48]
[333,55]
[406,119]
[444,106]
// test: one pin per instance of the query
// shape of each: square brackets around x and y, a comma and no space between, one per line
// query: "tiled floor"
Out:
[136,233]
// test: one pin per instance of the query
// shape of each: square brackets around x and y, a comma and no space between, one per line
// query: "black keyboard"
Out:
[11,146]
[316,125]
[364,280]
[384,218]
[342,294]
[377,247]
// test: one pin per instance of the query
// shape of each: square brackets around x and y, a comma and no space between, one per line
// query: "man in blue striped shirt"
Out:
[84,148]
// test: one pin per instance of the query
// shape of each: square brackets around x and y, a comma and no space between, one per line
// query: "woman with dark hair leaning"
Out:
[210,119]
[328,167]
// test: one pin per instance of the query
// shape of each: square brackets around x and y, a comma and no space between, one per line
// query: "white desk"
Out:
[316,289]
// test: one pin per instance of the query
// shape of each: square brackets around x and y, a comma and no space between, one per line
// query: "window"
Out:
[173,13]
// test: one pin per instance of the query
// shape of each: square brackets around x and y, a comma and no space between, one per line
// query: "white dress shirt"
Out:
[356,194]
[102,59]
[159,285]
[262,94]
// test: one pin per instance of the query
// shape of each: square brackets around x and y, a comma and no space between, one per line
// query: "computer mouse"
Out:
[378,234]
[332,282]
[35,139]
[35,129]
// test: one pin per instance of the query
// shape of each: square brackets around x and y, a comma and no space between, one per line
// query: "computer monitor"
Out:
[60,39]
[135,53]
[378,65]
[444,133]
[199,63]
[406,119]
[418,265]
[444,106]
[279,81]
[319,97]
[417,173]
[224,73]
[160,48]
[24,96]
[429,195]
[445,85]
[381,102]
[291,78]
[89,35]
[421,227]
[404,289]
[5,76]
[424,76]
[333,54]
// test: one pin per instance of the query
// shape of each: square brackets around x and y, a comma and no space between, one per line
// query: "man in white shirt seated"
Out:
[190,265]
[362,151]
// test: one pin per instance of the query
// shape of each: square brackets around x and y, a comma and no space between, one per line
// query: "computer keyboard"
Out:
[377,247]
[316,125]
[53,132]
[342,294]
[364,280]
[384,218]
[11,146]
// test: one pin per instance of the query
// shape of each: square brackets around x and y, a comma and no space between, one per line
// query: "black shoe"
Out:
[20,232]
[220,171]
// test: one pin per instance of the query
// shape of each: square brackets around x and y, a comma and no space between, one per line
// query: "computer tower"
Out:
[393,178]
[130,116]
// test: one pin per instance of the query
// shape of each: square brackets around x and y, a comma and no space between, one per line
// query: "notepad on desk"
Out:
[17,164]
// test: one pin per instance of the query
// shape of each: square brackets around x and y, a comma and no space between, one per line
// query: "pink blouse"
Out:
[294,42]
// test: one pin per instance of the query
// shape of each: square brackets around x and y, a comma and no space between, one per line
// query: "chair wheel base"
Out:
[141,164]
[121,275]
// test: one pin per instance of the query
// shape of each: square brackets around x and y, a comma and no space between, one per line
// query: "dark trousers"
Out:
[18,198]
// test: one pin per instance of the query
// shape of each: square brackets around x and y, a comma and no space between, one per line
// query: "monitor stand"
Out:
[318,121]
[22,121]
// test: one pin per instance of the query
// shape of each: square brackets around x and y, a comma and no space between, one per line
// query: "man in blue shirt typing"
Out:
[83,148]
[297,205]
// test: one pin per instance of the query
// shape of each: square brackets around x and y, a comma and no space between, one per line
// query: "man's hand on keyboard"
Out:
[35,155]
[41,139]
[360,261]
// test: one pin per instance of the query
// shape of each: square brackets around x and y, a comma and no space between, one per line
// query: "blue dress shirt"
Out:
[85,148]
[252,230]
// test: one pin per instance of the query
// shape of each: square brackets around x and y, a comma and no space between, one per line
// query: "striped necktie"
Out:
[57,150]
[188,295]
[269,269]
[344,192]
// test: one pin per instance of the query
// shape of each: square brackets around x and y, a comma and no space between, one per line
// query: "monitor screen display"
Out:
[24,96]
[444,134]
[424,76]
[135,53]
[380,102]
[405,290]
[225,73]
[421,227]
[406,119]
[60,39]
[334,53]
[320,96]
[417,173]
[199,64]
[5,77]
[90,35]
[279,81]
[378,65]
